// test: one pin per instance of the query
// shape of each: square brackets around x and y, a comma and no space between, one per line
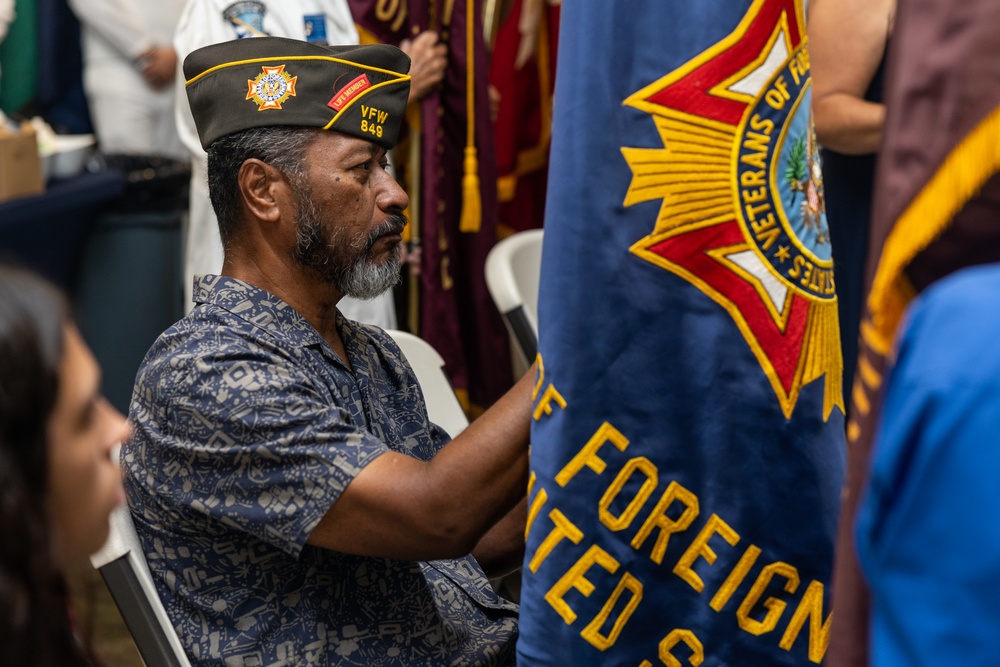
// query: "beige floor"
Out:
[100,621]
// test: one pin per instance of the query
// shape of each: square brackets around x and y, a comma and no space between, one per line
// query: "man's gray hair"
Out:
[281,147]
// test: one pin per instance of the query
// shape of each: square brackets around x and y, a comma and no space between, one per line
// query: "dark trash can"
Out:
[130,288]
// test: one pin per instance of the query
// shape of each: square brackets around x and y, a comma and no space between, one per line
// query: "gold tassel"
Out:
[472,209]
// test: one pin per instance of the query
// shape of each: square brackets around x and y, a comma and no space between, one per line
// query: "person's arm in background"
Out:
[116,22]
[429,57]
[847,40]
[6,17]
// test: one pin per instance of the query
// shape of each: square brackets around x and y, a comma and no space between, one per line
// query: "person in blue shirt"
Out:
[925,531]
[295,504]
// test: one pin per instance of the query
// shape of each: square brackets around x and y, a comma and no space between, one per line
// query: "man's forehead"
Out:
[346,145]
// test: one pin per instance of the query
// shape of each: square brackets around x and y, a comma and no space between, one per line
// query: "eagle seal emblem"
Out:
[742,214]
[271,87]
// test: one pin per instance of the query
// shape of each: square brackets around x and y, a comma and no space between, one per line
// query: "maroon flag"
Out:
[523,125]
[936,210]
[455,228]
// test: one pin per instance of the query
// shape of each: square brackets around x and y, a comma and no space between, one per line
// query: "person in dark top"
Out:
[847,46]
[58,481]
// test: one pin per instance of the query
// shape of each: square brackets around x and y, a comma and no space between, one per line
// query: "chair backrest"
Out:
[123,566]
[512,274]
[443,407]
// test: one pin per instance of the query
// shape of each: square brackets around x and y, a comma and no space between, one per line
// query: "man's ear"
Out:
[264,190]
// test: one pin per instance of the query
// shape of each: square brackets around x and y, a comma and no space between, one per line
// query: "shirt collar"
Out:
[269,313]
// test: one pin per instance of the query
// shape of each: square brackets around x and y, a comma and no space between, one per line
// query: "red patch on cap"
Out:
[349,92]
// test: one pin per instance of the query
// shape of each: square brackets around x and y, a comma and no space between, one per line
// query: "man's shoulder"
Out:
[206,340]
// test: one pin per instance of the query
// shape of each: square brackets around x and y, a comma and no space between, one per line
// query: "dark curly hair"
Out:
[34,622]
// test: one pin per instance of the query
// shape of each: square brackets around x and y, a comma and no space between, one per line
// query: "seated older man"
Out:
[294,502]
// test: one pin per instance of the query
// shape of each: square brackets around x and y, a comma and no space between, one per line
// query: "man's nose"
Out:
[392,195]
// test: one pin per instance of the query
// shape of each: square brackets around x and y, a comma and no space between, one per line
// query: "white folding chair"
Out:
[512,274]
[123,566]
[443,407]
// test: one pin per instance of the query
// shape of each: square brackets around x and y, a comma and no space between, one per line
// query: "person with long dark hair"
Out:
[58,481]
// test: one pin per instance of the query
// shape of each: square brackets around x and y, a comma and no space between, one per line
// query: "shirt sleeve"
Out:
[925,528]
[116,22]
[239,435]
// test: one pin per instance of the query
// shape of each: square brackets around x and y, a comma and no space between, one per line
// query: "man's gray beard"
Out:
[345,263]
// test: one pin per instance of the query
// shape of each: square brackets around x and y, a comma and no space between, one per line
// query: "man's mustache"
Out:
[394,225]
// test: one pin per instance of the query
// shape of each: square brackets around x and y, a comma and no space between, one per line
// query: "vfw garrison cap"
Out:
[268,81]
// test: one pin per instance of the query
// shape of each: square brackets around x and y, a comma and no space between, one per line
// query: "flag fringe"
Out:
[823,356]
[961,175]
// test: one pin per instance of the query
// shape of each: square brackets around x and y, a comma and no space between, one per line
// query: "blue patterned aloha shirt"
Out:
[247,429]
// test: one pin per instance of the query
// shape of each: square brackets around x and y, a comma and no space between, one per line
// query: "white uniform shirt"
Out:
[122,29]
[129,117]
[6,17]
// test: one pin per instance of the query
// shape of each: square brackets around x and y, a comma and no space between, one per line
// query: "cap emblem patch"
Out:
[271,88]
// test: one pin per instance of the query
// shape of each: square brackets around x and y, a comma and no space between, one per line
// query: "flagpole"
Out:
[413,170]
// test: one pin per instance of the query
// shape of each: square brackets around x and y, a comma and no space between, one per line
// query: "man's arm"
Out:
[401,507]
[501,550]
[847,39]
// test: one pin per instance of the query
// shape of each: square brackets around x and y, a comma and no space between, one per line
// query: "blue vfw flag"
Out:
[688,443]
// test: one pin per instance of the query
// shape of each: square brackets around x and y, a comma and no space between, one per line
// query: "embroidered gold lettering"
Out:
[658,519]
[774,606]
[562,528]
[700,547]
[778,95]
[675,637]
[761,124]
[592,633]
[735,578]
[544,406]
[588,455]
[575,578]
[536,506]
[799,65]
[811,607]
[644,466]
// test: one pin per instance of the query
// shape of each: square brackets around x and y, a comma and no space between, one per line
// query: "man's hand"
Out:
[428,57]
[158,66]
